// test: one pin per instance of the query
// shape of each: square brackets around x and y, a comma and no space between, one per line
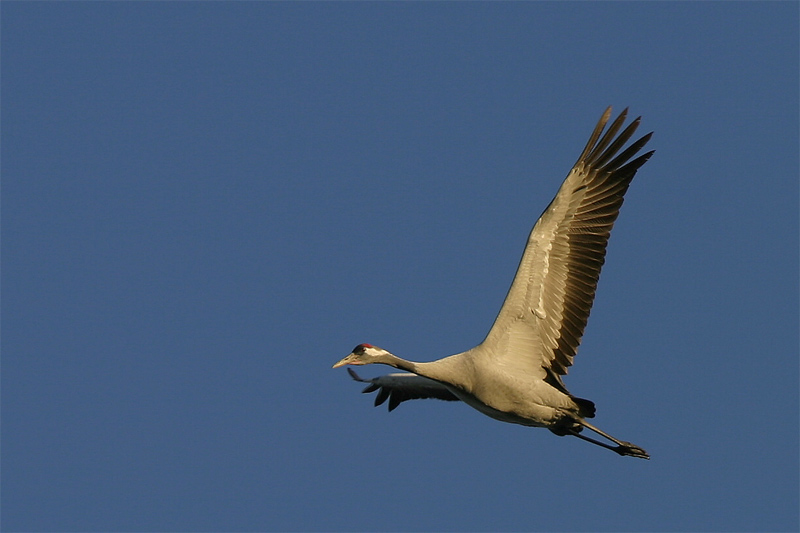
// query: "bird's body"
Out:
[506,394]
[514,375]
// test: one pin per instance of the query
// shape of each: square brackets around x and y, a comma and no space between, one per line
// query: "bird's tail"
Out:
[586,407]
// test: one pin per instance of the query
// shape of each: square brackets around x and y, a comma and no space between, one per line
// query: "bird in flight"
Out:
[514,375]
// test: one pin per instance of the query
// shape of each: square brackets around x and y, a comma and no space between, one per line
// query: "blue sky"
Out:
[206,205]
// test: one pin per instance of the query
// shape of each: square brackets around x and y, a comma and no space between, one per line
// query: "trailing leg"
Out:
[622,447]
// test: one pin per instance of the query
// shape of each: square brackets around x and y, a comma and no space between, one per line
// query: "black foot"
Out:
[626,448]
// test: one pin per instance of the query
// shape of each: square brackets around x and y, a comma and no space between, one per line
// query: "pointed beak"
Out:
[347,360]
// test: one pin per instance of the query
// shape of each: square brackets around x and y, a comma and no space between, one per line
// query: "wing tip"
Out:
[355,376]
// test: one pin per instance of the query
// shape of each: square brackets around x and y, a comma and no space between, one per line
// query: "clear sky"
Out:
[206,205]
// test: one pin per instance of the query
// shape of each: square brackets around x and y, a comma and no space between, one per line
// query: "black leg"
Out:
[622,447]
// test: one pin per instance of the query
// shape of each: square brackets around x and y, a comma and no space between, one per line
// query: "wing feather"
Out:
[400,387]
[545,312]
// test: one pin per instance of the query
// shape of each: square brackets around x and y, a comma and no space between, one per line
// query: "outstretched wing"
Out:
[403,386]
[545,312]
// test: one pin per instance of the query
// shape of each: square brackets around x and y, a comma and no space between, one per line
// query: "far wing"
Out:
[545,312]
[403,386]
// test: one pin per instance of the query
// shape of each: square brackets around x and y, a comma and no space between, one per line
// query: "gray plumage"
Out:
[514,375]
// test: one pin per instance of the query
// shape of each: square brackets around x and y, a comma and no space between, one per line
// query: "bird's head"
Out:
[364,354]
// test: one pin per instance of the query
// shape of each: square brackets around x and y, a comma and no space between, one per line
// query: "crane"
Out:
[514,375]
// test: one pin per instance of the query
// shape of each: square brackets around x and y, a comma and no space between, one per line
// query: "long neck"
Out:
[397,362]
[453,369]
